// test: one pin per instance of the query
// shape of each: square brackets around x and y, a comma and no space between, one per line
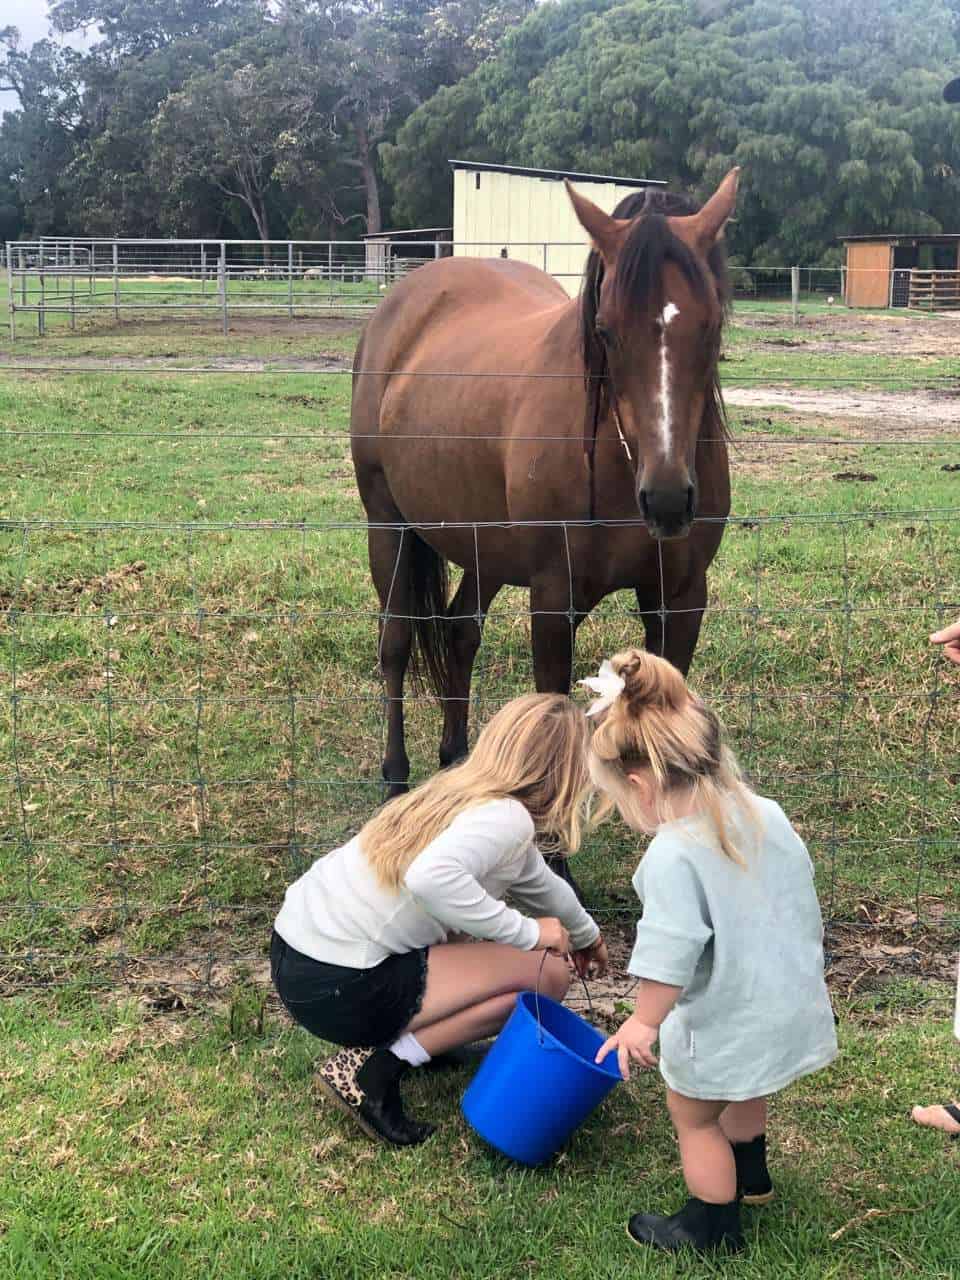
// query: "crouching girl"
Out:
[360,955]
[729,951]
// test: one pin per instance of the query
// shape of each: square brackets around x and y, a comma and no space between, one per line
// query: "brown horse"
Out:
[575,447]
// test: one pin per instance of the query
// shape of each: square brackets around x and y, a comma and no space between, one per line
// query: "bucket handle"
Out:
[536,995]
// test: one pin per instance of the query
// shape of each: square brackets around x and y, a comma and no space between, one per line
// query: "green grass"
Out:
[192,336]
[751,355]
[175,647]
[141,1143]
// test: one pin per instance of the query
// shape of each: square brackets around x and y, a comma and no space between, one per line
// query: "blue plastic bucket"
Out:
[539,1081]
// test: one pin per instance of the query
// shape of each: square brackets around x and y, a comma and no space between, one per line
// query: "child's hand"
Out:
[949,637]
[553,936]
[634,1040]
[592,961]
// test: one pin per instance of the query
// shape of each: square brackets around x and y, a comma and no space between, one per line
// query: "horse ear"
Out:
[605,232]
[708,224]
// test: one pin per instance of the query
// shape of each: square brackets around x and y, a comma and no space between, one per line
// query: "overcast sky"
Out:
[30,18]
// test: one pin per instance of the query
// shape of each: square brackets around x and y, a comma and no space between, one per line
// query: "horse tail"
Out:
[430,659]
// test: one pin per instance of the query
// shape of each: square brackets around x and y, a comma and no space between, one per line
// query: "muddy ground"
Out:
[882,333]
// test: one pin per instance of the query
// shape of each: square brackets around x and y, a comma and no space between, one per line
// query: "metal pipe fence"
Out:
[83,277]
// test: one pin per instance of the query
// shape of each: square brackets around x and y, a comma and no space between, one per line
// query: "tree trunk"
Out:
[369,180]
[260,218]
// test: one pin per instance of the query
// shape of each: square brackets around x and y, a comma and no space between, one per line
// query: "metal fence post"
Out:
[203,270]
[116,283]
[23,281]
[290,279]
[795,293]
[11,298]
[42,299]
[73,284]
[222,284]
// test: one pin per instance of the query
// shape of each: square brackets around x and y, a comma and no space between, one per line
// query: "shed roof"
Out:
[412,231]
[479,166]
[904,238]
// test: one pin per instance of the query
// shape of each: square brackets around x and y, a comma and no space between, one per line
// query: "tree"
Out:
[833,110]
[382,58]
[38,140]
[230,127]
[137,28]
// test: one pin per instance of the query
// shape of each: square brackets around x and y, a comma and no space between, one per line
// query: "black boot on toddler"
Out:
[698,1225]
[754,1185]
[365,1085]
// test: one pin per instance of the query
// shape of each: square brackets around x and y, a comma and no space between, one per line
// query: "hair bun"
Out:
[649,681]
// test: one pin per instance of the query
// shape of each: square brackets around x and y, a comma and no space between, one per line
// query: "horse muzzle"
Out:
[669,513]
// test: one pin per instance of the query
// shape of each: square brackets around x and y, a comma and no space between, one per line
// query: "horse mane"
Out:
[649,245]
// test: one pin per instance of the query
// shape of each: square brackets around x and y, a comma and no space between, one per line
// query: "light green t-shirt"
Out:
[746,946]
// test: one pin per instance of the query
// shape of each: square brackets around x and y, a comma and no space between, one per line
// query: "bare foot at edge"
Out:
[935,1117]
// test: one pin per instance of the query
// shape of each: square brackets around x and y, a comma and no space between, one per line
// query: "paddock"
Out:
[193,713]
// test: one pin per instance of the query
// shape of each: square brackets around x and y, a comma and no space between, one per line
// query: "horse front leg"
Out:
[467,611]
[553,630]
[553,627]
[672,631]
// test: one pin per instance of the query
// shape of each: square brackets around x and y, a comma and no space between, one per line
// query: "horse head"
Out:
[652,311]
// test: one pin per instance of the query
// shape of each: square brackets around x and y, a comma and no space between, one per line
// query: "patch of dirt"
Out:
[887,942]
[891,333]
[884,943]
[867,412]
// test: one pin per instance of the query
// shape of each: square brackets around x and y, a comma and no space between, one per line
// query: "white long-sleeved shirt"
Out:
[340,913]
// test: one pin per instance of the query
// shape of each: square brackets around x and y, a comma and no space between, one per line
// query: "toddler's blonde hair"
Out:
[658,723]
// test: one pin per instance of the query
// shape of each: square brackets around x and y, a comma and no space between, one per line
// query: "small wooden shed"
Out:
[390,253]
[503,210]
[902,271]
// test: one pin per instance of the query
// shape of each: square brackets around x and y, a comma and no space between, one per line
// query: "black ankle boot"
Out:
[365,1084]
[699,1225]
[754,1185]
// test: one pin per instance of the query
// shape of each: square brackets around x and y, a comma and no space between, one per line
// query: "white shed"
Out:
[502,210]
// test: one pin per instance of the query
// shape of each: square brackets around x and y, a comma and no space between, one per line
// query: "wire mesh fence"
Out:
[193,707]
[194,714]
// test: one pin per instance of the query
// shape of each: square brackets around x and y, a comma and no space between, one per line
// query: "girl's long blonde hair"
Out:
[534,749]
[658,723]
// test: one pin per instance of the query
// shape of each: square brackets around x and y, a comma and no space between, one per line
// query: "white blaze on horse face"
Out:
[670,311]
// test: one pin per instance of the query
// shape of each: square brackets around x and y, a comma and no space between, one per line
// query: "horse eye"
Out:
[603,333]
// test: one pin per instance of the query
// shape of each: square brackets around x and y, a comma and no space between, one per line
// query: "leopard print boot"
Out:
[365,1085]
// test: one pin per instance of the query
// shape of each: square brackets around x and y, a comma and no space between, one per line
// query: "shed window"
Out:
[476,177]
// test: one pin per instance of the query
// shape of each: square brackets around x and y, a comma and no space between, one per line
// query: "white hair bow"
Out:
[607,684]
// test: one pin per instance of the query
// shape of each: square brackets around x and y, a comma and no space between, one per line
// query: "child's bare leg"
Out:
[744,1121]
[705,1152]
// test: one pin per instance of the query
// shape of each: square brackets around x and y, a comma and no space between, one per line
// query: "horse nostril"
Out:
[644,505]
[691,500]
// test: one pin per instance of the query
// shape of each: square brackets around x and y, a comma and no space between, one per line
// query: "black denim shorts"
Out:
[351,1007]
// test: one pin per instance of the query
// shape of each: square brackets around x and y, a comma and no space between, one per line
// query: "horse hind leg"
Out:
[466,613]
